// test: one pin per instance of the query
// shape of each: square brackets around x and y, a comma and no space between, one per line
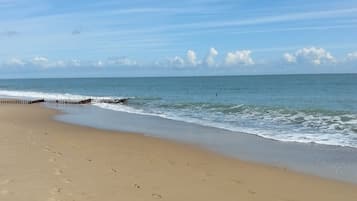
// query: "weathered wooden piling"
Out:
[37,101]
[115,101]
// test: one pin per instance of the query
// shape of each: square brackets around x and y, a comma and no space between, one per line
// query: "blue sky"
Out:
[43,38]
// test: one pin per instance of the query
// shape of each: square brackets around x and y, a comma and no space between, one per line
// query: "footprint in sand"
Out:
[4,192]
[252,192]
[236,181]
[156,196]
[66,180]
[52,199]
[52,160]
[56,190]
[6,181]
[47,149]
[58,172]
[59,154]
[114,170]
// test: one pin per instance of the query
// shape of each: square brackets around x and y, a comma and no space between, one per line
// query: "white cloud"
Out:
[59,63]
[75,63]
[311,55]
[176,62]
[212,54]
[191,57]
[99,63]
[44,62]
[40,60]
[352,56]
[64,64]
[15,62]
[239,58]
[289,58]
[120,61]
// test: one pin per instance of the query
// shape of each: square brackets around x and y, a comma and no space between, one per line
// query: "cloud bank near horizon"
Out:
[308,56]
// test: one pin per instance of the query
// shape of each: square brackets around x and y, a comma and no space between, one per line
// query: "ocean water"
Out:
[301,108]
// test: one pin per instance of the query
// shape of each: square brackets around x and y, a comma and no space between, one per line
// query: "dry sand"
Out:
[44,160]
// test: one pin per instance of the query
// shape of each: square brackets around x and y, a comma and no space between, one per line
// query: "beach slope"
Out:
[41,159]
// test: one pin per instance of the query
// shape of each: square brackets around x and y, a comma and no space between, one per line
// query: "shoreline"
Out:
[326,161]
[49,160]
[313,124]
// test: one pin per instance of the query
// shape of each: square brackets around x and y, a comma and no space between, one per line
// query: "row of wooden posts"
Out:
[13,101]
[85,101]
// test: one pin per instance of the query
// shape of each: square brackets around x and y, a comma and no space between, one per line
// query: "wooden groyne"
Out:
[72,102]
[16,101]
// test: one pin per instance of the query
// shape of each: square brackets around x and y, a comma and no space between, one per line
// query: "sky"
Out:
[91,38]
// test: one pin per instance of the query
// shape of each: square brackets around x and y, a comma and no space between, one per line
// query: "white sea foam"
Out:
[121,108]
[50,96]
[302,135]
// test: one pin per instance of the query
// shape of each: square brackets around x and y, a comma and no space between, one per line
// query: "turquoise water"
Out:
[303,108]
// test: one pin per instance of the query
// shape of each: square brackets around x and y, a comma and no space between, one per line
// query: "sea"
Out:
[318,109]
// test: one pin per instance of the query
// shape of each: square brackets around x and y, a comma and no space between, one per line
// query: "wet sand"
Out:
[42,159]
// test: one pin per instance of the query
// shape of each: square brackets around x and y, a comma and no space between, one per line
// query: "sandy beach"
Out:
[42,159]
